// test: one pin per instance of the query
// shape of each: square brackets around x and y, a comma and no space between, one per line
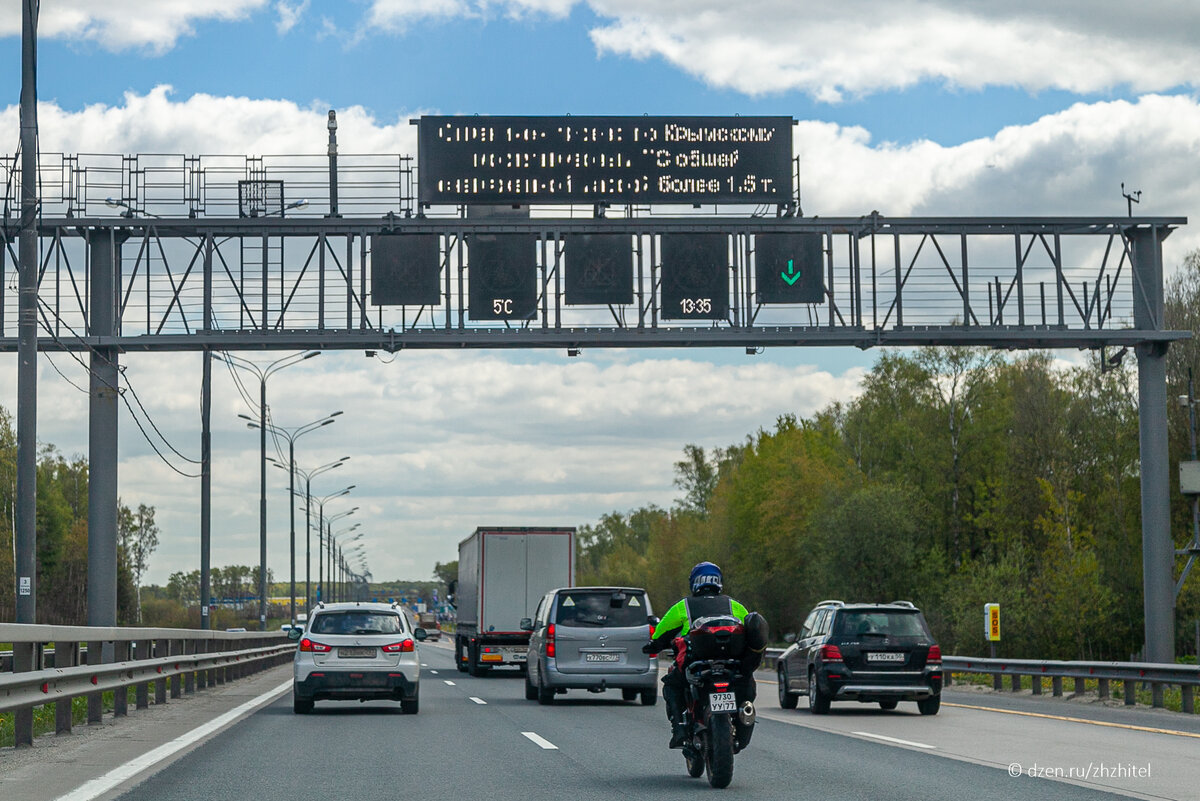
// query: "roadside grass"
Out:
[43,716]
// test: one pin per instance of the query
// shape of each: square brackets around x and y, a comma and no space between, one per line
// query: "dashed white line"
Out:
[448,682]
[478,700]
[434,672]
[541,741]
[424,665]
[893,739]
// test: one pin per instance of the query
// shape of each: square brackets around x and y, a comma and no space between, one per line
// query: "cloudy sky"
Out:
[911,107]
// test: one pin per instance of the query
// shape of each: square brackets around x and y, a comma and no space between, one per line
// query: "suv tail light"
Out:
[315,647]
[831,653]
[404,646]
[550,640]
[935,655]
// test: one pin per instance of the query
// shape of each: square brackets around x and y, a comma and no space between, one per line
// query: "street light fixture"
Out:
[263,373]
[291,435]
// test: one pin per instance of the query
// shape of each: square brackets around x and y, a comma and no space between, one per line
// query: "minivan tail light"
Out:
[831,653]
[315,647]
[652,631]
[550,640]
[404,646]
[935,654]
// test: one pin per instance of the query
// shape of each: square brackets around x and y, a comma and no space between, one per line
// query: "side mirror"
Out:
[526,624]
[294,633]
[420,634]
[789,637]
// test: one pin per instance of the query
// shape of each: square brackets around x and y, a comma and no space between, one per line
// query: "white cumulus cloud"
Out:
[155,25]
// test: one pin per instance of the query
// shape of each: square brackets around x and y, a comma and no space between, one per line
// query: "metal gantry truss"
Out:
[145,253]
[285,283]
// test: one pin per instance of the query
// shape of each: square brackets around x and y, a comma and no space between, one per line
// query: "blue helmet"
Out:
[705,577]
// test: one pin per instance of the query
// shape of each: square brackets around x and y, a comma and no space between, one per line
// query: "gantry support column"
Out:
[1158,549]
[105,274]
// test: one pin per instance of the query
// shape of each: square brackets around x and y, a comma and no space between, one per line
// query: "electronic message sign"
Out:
[598,269]
[695,277]
[491,160]
[502,270]
[790,268]
[405,269]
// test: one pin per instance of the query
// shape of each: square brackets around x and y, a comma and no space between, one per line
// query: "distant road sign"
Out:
[493,160]
[991,622]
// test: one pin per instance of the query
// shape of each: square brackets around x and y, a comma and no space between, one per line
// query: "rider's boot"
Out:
[678,726]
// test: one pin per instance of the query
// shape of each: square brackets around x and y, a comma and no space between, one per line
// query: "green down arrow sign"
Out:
[791,276]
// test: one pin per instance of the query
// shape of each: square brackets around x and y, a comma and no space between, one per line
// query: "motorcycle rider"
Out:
[705,601]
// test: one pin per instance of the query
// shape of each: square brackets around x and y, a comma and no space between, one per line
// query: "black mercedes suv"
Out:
[871,653]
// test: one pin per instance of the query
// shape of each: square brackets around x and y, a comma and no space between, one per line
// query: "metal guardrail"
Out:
[1158,676]
[174,661]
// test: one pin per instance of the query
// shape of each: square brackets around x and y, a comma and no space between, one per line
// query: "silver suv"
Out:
[356,651]
[591,638]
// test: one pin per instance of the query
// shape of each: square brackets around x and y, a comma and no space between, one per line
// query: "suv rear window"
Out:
[881,622]
[607,609]
[356,622]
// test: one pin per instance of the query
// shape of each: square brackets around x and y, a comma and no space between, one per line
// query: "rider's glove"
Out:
[649,648]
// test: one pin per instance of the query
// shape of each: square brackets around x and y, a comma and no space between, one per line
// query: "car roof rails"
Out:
[832,603]
[909,604]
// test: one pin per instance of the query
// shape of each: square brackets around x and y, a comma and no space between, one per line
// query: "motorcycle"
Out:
[718,718]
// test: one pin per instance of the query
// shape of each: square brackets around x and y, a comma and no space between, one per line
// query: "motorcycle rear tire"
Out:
[718,762]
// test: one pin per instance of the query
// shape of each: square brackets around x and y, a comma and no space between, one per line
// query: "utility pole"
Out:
[26,655]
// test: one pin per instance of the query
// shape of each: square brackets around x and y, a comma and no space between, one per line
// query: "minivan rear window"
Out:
[880,623]
[356,622]
[602,609]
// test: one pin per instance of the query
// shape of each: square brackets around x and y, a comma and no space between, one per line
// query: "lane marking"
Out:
[541,741]
[479,700]
[893,739]
[449,683]
[423,664]
[117,776]
[1105,723]
[433,672]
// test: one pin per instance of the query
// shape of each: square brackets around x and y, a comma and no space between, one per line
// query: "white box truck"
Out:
[502,575]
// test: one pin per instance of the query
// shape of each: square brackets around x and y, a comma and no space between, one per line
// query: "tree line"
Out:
[62,538]
[958,477]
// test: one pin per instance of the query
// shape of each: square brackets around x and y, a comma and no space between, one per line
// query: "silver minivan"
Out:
[591,638]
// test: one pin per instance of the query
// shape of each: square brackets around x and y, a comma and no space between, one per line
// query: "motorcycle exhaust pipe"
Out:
[747,715]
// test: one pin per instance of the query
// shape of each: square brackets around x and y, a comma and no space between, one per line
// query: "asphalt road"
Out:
[479,738]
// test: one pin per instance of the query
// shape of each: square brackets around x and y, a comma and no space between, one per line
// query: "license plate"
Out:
[722,702]
[356,653]
[886,656]
[601,657]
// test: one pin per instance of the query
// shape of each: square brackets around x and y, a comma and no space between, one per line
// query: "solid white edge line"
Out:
[449,683]
[117,776]
[893,740]
[541,741]
[478,700]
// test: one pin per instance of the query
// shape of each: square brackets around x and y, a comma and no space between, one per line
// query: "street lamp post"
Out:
[336,554]
[308,476]
[322,589]
[291,435]
[263,374]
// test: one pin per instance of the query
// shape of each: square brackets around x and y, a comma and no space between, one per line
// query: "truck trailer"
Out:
[502,574]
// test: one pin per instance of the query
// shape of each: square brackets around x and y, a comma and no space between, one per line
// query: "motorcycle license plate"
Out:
[722,702]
